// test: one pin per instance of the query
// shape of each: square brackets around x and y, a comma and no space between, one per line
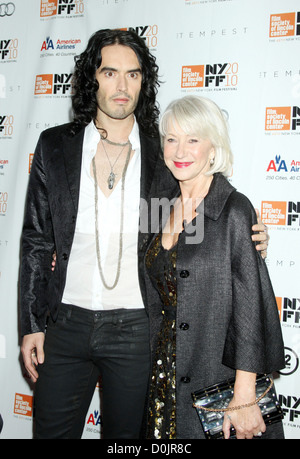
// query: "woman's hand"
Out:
[248,422]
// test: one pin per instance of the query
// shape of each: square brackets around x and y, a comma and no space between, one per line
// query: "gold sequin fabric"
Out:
[161,266]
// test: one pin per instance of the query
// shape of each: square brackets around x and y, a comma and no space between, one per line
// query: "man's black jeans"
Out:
[81,346]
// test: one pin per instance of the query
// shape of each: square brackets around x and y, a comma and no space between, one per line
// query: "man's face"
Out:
[120,78]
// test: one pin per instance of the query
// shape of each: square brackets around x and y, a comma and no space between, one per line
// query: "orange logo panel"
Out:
[48,8]
[279,305]
[23,405]
[30,162]
[282,25]
[43,84]
[278,119]
[192,76]
[274,212]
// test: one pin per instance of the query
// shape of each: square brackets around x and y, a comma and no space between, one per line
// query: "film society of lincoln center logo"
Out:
[282,119]
[58,84]
[65,8]
[23,405]
[281,213]
[208,76]
[284,25]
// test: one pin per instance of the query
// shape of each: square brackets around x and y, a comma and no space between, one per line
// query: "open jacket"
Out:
[50,217]
[227,317]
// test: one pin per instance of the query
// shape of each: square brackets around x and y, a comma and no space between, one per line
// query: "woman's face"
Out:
[187,156]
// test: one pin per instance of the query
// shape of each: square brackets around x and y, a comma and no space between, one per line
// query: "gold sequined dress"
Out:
[161,266]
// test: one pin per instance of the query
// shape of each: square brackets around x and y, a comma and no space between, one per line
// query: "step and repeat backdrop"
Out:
[243,54]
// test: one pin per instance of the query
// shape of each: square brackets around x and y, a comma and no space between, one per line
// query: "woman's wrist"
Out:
[244,387]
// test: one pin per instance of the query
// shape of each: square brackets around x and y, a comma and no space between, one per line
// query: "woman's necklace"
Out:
[112,176]
[111,287]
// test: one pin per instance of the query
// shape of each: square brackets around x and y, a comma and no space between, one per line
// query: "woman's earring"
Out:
[212,161]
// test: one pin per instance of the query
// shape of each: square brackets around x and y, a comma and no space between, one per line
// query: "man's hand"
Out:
[33,353]
[262,237]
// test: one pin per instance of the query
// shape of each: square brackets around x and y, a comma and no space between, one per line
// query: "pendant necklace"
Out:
[112,176]
[111,287]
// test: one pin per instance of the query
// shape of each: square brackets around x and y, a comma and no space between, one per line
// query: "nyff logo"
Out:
[148,33]
[207,76]
[6,126]
[291,407]
[289,310]
[9,49]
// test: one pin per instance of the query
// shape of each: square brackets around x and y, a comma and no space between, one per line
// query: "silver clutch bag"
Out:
[211,404]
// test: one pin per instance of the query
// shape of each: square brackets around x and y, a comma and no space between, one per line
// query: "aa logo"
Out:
[53,84]
[277,165]
[280,165]
[280,213]
[23,405]
[284,25]
[51,8]
[208,76]
[9,49]
[94,419]
[48,44]
[282,118]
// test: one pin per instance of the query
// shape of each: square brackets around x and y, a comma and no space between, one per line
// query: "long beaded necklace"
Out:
[111,287]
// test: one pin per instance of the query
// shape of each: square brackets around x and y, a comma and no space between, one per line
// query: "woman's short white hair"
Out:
[203,118]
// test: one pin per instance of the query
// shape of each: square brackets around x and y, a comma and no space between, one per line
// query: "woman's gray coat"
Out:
[227,317]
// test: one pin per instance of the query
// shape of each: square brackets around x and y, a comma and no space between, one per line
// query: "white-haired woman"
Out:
[211,305]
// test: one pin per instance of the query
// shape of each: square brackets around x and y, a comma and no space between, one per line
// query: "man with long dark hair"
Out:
[86,183]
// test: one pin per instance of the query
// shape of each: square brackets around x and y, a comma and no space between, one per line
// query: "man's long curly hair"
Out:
[84,100]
